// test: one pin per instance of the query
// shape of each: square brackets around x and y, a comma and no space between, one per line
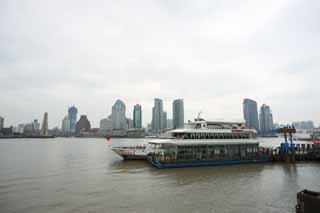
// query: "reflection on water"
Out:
[83,175]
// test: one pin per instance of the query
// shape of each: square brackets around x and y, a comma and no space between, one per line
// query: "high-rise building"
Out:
[66,124]
[169,124]
[106,124]
[266,119]
[44,126]
[36,126]
[83,124]
[1,122]
[137,117]
[250,113]
[178,113]
[118,116]
[164,120]
[157,113]
[129,123]
[72,115]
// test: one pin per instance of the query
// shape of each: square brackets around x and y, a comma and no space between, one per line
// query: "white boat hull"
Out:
[131,153]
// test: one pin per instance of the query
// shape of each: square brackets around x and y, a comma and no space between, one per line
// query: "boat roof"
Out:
[183,142]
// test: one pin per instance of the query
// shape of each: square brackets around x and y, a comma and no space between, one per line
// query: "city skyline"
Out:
[211,53]
[166,109]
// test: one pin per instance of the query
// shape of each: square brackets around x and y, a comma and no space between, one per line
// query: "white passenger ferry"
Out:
[195,132]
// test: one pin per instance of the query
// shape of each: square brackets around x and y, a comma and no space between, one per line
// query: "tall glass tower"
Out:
[266,119]
[178,113]
[157,115]
[250,113]
[137,117]
[72,115]
[119,121]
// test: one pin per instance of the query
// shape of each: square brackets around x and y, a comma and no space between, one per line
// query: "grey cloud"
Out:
[211,53]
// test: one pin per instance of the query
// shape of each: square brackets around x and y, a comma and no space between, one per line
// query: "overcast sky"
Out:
[213,54]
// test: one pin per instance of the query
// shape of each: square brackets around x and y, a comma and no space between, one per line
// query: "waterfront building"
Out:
[118,116]
[83,124]
[65,127]
[129,123]
[1,122]
[28,129]
[36,126]
[105,124]
[169,124]
[44,127]
[164,120]
[157,114]
[266,119]
[250,113]
[178,114]
[19,128]
[137,116]
[304,125]
[72,115]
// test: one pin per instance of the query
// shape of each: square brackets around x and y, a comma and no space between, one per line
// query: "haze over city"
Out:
[213,54]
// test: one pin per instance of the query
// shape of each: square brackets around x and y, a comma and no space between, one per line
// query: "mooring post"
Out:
[292,156]
[286,150]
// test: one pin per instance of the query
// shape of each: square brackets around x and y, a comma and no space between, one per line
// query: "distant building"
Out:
[72,115]
[266,119]
[36,126]
[7,130]
[44,126]
[250,113]
[1,122]
[118,116]
[66,124]
[137,116]
[169,124]
[164,120]
[149,128]
[19,129]
[105,124]
[129,123]
[83,124]
[178,113]
[157,114]
[28,128]
[304,125]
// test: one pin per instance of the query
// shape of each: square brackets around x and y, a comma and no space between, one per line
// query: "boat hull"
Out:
[194,163]
[131,154]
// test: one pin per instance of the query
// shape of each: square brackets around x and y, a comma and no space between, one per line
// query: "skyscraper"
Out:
[137,116]
[178,113]
[1,122]
[118,116]
[266,119]
[72,115]
[83,124]
[169,124]
[164,120]
[250,113]
[66,124]
[44,126]
[157,113]
[36,126]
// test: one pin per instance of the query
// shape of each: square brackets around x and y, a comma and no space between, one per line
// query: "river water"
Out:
[83,175]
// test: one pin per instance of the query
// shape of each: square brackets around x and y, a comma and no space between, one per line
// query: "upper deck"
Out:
[201,129]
